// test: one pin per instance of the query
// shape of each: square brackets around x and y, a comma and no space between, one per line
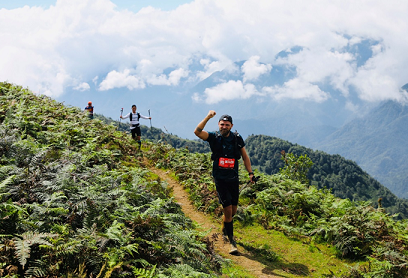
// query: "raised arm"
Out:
[145,117]
[125,117]
[199,132]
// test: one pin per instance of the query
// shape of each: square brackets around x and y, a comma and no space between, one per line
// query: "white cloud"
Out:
[320,65]
[116,79]
[227,91]
[296,89]
[74,41]
[252,69]
[82,87]
[176,75]
[171,80]
[375,86]
[210,68]
[380,78]
[31,69]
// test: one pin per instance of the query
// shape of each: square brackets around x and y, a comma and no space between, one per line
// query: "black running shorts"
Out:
[136,131]
[228,192]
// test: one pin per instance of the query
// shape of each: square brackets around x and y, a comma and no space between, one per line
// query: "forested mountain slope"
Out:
[344,177]
[378,142]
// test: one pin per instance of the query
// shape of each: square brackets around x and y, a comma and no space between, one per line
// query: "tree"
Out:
[296,167]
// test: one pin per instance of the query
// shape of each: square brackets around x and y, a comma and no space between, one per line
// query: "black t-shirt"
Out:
[225,164]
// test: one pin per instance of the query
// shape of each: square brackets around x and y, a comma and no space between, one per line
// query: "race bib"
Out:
[226,163]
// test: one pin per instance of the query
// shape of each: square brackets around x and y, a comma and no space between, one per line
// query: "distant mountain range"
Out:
[378,142]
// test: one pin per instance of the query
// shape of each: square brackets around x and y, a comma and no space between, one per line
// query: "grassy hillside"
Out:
[76,200]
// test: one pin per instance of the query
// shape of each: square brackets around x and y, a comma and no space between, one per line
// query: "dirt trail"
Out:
[243,259]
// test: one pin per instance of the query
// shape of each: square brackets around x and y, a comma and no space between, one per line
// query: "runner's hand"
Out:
[211,114]
[254,179]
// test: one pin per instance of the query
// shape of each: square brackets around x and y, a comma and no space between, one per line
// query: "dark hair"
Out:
[134,105]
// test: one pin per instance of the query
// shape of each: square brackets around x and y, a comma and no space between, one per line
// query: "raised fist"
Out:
[211,114]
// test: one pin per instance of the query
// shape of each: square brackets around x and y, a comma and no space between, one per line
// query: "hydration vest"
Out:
[217,150]
[137,113]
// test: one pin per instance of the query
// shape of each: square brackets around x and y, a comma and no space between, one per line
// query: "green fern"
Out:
[182,271]
[144,273]
[24,243]
[76,178]
[3,186]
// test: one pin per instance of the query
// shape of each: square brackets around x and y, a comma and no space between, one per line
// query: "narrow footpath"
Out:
[243,259]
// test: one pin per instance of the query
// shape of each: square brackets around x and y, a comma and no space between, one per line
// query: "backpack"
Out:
[138,116]
[217,148]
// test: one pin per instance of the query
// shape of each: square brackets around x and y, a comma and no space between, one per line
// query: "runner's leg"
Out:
[139,133]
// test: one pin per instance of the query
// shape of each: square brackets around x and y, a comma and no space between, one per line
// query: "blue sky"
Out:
[153,51]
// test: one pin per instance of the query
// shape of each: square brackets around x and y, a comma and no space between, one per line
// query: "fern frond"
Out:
[184,270]
[22,251]
[4,184]
[144,273]
[38,269]
[23,245]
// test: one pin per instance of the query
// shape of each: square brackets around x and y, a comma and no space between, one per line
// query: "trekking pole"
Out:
[120,119]
[254,179]
[150,119]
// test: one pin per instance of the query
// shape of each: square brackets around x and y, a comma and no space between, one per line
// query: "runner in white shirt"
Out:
[134,124]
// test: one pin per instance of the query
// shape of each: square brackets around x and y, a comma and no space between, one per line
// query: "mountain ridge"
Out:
[377,142]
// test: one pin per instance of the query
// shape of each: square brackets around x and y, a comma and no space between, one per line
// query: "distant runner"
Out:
[227,148]
[90,109]
[134,123]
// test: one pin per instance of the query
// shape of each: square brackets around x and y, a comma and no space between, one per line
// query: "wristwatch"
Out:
[250,173]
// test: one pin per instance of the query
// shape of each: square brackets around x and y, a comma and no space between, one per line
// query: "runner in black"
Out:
[227,148]
[134,124]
